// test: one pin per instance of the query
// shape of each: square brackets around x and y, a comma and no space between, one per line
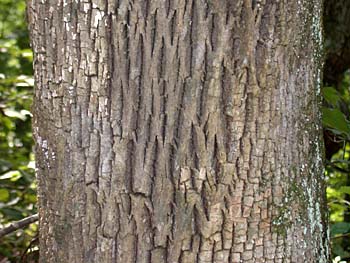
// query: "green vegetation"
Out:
[17,187]
[337,137]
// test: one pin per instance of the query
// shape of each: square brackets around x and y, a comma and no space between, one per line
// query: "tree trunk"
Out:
[179,131]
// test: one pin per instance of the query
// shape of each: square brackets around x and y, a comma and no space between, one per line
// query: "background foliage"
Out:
[337,135]
[17,187]
[336,113]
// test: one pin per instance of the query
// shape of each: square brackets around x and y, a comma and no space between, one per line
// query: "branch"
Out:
[342,235]
[18,224]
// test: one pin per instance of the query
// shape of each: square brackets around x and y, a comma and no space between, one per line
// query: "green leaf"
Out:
[31,198]
[338,249]
[340,228]
[331,95]
[345,189]
[4,163]
[335,119]
[12,175]
[12,213]
[15,114]
[4,195]
[27,53]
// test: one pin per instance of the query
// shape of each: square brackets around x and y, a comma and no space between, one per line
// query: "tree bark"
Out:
[179,131]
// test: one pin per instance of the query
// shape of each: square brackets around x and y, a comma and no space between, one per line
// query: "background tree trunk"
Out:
[179,131]
[337,41]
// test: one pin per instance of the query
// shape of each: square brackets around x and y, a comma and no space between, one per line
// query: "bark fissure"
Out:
[174,131]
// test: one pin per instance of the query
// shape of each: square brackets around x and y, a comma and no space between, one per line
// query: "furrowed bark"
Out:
[179,131]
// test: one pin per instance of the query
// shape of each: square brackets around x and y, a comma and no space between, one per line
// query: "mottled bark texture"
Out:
[178,131]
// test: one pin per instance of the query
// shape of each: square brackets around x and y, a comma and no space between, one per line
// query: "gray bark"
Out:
[178,131]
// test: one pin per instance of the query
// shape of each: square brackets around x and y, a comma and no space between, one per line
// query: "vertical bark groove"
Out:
[178,131]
